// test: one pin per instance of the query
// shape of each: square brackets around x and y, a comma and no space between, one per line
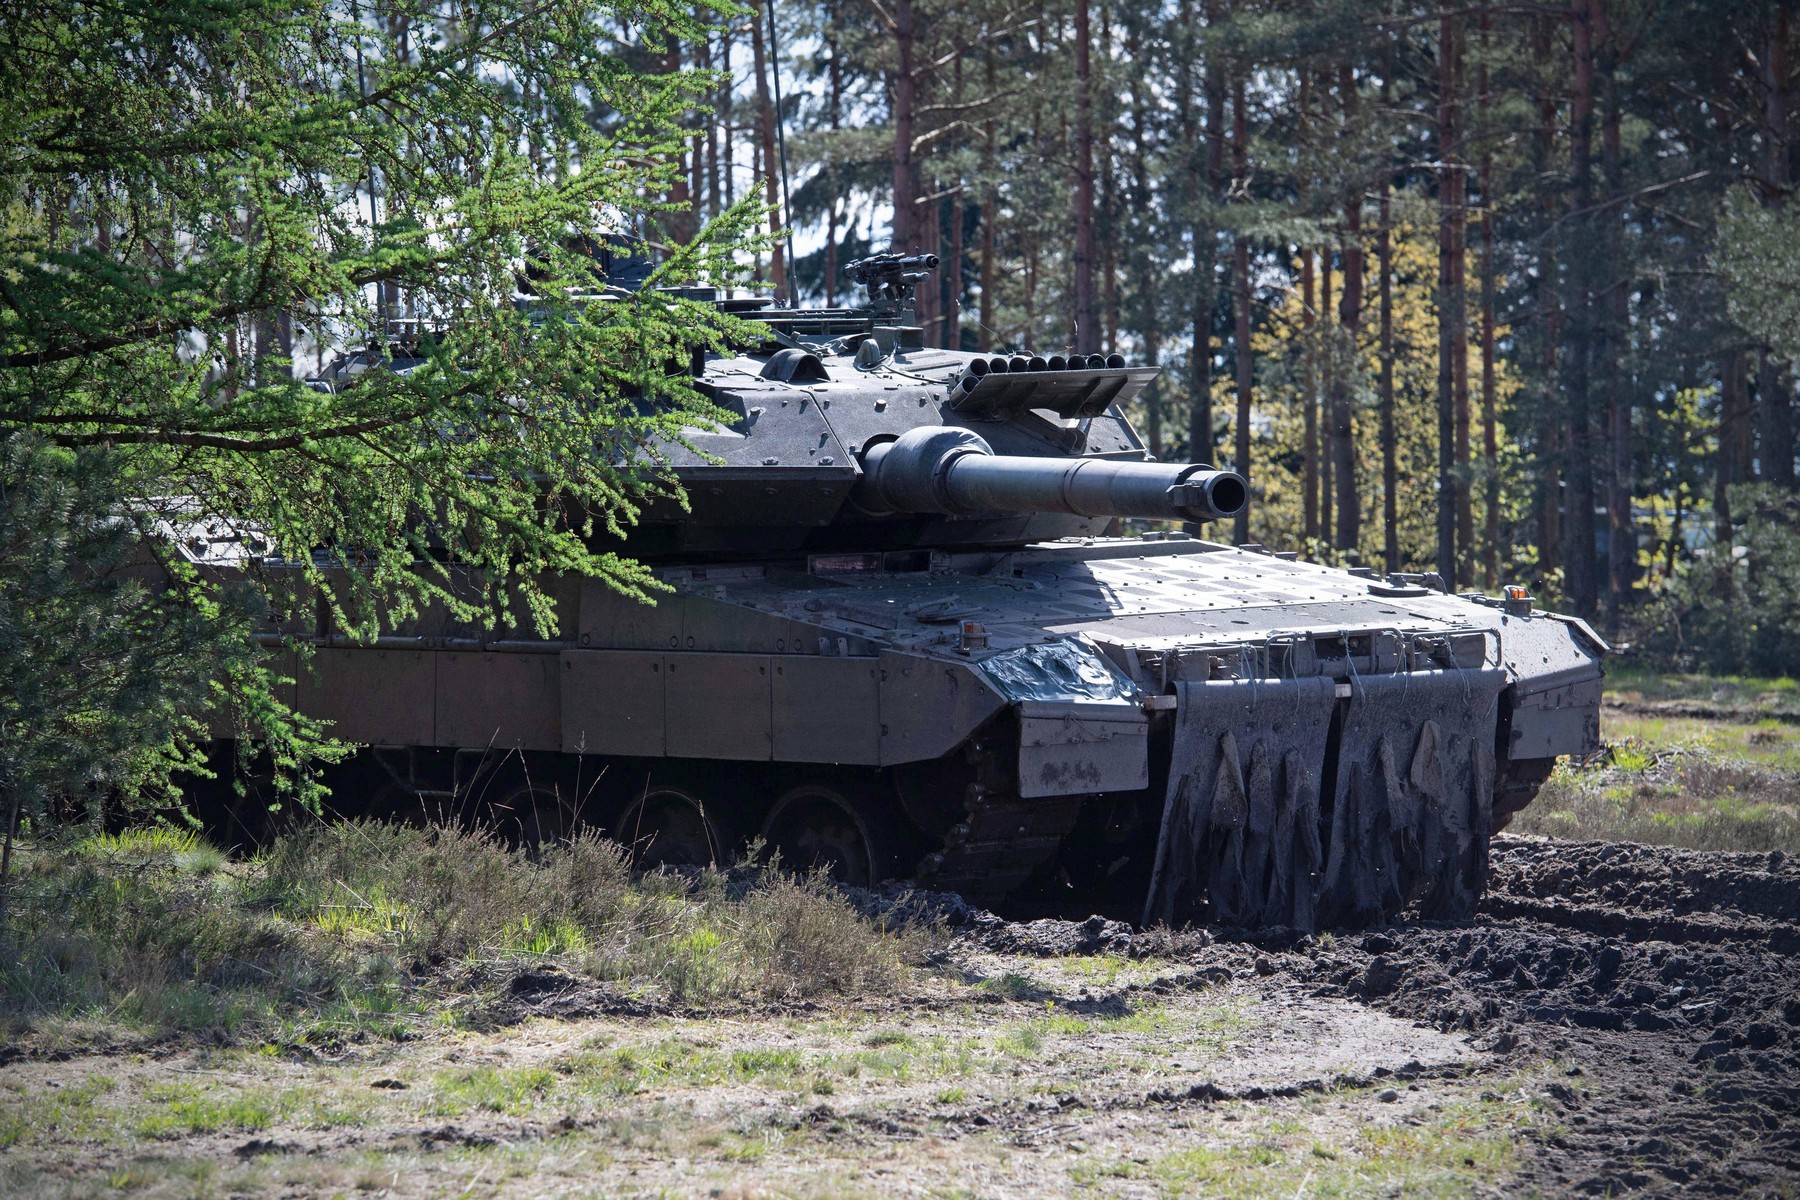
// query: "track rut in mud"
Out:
[1664,983]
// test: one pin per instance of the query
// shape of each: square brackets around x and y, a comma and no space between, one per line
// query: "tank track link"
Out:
[1517,786]
[999,844]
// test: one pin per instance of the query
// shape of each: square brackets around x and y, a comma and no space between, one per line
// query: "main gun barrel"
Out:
[944,469]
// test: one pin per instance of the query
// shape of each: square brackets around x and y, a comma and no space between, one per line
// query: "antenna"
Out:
[787,208]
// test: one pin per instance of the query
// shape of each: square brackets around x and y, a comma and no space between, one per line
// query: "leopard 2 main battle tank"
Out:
[905,641]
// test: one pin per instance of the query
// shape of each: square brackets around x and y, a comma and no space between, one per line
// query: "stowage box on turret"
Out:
[904,641]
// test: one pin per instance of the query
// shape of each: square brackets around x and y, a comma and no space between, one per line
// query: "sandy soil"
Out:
[1621,1020]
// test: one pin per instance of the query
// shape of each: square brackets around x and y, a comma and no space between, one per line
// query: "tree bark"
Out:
[6,854]
[835,115]
[1775,403]
[1147,317]
[765,120]
[1735,443]
[1490,401]
[1240,134]
[1328,368]
[1309,399]
[953,262]
[1449,304]
[1549,449]
[1390,442]
[906,189]
[990,213]
[681,224]
[1107,227]
[1343,414]
[1210,187]
[1087,308]
[717,127]
[1579,556]
[1621,543]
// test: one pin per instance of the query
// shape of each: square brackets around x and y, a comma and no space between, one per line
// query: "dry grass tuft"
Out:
[1693,795]
[358,929]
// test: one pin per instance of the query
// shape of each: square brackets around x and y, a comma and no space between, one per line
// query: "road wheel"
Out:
[672,825]
[839,829]
[529,816]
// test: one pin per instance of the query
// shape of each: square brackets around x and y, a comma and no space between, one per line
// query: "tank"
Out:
[910,637]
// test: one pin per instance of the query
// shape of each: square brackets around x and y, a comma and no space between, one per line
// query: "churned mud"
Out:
[1620,1020]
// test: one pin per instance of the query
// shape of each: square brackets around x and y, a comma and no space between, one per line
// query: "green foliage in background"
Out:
[1738,607]
[1759,256]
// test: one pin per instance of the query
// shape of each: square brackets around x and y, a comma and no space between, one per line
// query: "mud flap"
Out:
[1240,830]
[1413,807]
[1245,840]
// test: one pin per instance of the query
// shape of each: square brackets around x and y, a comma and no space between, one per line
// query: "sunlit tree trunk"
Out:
[1240,151]
[765,120]
[1450,314]
[1343,420]
[1390,442]
[1309,403]
[1087,308]
[1579,557]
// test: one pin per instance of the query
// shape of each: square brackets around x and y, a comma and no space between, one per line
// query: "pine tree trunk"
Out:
[727,148]
[1309,400]
[953,272]
[1449,316]
[765,120]
[930,297]
[680,221]
[1343,417]
[1733,465]
[1614,314]
[1775,400]
[1459,332]
[715,129]
[1240,136]
[835,81]
[6,856]
[1549,455]
[1087,309]
[1328,388]
[1490,401]
[1390,442]
[1579,555]
[906,188]
[1106,174]
[1201,425]
[1146,316]
[990,213]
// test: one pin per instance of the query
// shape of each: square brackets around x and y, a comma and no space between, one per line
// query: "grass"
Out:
[180,1109]
[1441,1150]
[1703,762]
[1727,696]
[358,931]
[952,1058]
[1679,781]
[69,1112]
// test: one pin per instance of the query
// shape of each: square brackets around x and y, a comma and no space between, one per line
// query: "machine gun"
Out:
[891,280]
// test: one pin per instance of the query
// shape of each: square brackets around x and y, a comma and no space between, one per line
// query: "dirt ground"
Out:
[1622,1020]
